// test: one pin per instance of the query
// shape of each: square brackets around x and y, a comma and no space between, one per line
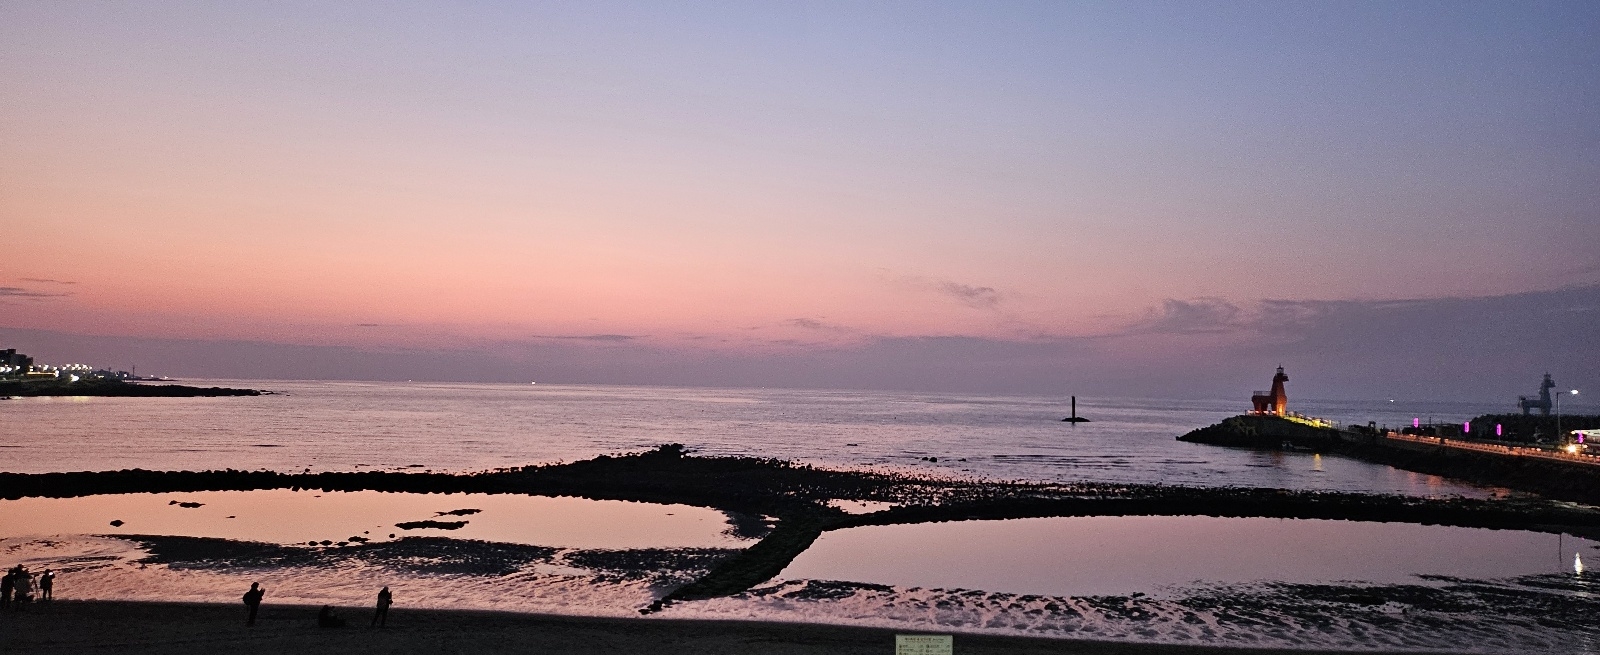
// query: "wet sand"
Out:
[86,626]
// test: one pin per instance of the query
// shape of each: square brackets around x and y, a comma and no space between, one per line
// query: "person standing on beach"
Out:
[47,586]
[23,587]
[6,585]
[385,599]
[252,600]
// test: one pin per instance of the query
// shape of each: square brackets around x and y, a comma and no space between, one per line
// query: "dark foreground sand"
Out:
[90,627]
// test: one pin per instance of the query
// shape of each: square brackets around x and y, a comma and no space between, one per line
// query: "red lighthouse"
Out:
[1272,402]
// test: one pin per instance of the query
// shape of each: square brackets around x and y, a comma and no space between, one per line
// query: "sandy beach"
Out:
[124,627]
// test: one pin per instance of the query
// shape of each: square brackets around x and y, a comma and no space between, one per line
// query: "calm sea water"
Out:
[1212,581]
[346,426]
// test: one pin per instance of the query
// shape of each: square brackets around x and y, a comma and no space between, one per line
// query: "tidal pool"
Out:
[297,517]
[1086,556]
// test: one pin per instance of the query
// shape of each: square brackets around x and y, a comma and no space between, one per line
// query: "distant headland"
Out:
[115,388]
[21,377]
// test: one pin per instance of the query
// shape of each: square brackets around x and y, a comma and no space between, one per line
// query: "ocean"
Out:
[1191,580]
[360,426]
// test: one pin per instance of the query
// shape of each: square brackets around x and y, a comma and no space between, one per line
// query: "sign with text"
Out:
[923,644]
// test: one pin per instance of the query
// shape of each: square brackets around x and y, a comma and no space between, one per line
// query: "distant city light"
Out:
[1416,423]
[1466,427]
[1497,429]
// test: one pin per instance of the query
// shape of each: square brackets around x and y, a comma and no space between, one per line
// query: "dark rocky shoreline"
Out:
[797,496]
[116,389]
[427,556]
[1534,612]
[70,626]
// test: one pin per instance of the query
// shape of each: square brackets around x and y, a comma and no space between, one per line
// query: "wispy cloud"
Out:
[1196,316]
[593,337]
[969,295]
[818,325]
[19,292]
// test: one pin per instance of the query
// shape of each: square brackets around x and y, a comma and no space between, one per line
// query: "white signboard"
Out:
[923,644]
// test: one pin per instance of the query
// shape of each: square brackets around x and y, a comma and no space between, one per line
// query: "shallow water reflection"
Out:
[286,517]
[1082,556]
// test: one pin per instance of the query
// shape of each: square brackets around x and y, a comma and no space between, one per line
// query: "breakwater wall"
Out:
[1547,474]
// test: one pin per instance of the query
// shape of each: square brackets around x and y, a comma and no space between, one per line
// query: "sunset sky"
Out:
[1134,198]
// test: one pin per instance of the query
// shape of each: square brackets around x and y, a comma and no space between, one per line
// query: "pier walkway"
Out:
[1498,449]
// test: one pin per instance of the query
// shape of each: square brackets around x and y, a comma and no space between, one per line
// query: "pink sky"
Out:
[748,178]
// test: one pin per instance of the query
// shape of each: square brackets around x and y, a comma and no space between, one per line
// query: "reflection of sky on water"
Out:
[1548,613]
[968,577]
[284,516]
[103,568]
[1079,556]
[459,427]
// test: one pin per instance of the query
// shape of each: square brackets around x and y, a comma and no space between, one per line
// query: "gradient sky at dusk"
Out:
[1140,198]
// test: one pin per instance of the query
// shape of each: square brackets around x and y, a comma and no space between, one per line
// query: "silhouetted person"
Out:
[327,619]
[385,599]
[47,585]
[7,585]
[22,587]
[252,600]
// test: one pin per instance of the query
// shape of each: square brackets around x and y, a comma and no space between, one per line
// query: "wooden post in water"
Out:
[1074,418]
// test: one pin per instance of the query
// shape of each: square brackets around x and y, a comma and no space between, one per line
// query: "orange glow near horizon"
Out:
[251,173]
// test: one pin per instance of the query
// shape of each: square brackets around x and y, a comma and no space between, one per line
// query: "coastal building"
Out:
[1542,403]
[10,357]
[1272,402]
[14,363]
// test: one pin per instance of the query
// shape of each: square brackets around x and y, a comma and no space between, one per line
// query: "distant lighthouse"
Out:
[1272,402]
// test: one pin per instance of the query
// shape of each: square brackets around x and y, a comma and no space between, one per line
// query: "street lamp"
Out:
[1562,437]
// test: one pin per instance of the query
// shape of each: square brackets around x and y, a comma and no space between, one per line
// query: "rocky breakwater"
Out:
[1264,431]
[1552,478]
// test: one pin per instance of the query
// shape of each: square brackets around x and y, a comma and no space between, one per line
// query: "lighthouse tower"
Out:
[1272,402]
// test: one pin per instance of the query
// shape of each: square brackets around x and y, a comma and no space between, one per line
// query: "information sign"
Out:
[923,645]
